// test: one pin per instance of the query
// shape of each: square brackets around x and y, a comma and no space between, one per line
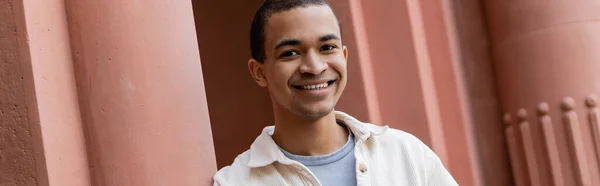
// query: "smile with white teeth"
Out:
[313,87]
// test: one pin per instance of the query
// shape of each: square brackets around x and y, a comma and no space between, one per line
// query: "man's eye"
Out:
[289,53]
[327,47]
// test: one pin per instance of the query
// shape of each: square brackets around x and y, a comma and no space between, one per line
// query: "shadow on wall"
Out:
[238,108]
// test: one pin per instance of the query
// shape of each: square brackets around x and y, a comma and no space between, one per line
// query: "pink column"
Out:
[360,95]
[50,114]
[471,56]
[544,51]
[409,76]
[17,140]
[142,93]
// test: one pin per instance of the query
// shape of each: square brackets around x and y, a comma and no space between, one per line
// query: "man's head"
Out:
[297,53]
[268,8]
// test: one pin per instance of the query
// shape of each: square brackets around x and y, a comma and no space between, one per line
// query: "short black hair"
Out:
[268,8]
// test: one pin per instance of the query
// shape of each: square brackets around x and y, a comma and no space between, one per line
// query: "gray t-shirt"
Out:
[337,168]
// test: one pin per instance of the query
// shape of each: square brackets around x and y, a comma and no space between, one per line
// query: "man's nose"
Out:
[313,63]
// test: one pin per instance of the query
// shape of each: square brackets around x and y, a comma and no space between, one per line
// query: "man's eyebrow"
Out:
[286,42]
[328,37]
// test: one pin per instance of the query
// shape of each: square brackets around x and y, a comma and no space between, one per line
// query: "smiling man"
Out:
[298,55]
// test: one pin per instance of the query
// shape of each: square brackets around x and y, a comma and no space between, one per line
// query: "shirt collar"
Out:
[265,151]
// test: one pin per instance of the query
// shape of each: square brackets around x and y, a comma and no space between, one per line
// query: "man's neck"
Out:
[309,137]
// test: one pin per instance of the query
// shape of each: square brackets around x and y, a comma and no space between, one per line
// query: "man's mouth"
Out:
[315,86]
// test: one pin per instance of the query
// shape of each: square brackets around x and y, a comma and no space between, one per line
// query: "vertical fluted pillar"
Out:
[141,92]
[420,92]
[41,131]
[544,51]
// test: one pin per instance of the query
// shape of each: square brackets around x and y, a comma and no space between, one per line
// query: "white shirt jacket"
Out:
[384,156]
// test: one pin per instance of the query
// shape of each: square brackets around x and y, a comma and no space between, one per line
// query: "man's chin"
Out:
[314,114]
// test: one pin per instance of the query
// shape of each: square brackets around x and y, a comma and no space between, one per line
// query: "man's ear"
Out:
[257,71]
[345,50]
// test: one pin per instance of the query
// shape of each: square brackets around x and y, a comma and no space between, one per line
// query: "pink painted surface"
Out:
[516,155]
[238,107]
[535,153]
[394,66]
[55,107]
[17,140]
[592,118]
[576,146]
[444,57]
[478,92]
[141,92]
[550,143]
[426,81]
[360,89]
[543,51]
[438,97]
[531,157]
[405,75]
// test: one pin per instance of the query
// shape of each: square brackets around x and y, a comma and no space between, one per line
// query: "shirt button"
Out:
[362,167]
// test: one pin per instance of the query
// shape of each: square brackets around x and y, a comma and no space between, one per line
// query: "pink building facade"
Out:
[113,92]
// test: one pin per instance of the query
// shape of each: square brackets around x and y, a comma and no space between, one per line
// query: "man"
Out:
[298,55]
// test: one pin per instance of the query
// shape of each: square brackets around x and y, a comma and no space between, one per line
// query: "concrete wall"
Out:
[17,162]
[141,92]
[238,108]
[471,38]
[102,102]
[130,93]
[545,51]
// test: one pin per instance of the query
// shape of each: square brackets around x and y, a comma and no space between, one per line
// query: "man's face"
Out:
[305,65]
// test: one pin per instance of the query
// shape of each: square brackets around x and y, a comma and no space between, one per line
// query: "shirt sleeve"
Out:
[436,173]
[219,179]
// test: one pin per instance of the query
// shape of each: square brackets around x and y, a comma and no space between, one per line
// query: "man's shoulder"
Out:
[241,173]
[400,149]
[399,140]
[393,135]
[237,170]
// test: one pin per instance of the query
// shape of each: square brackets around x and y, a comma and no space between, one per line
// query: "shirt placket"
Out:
[362,166]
